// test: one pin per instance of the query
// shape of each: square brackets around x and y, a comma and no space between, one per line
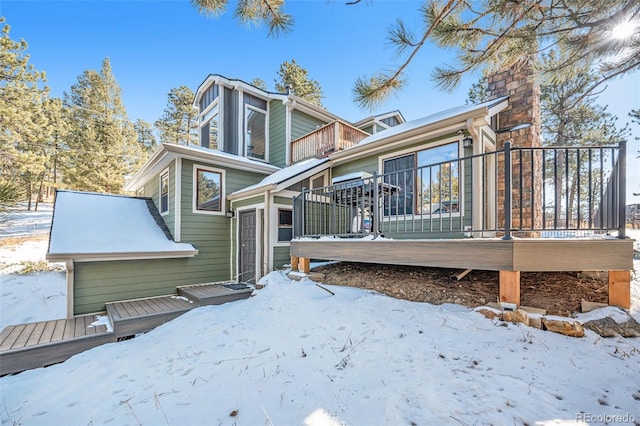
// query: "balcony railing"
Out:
[332,137]
[529,192]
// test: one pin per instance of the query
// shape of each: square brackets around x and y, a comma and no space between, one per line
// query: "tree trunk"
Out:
[39,196]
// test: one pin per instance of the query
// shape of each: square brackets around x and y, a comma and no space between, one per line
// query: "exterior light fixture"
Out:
[467,142]
[230,214]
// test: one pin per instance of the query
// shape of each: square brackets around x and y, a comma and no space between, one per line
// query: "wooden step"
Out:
[130,317]
[216,293]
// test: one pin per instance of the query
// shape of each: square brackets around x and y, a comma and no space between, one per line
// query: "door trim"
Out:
[259,209]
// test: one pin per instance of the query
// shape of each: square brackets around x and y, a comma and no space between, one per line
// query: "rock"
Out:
[535,322]
[568,328]
[608,327]
[516,317]
[488,313]
[587,306]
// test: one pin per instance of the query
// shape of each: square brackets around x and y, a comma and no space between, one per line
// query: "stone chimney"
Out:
[519,83]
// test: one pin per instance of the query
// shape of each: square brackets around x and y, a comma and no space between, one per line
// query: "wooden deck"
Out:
[34,345]
[44,343]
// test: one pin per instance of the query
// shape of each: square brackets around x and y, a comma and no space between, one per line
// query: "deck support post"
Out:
[510,287]
[620,289]
[305,265]
[294,263]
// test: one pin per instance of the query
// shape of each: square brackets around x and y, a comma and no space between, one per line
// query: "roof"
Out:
[285,177]
[434,122]
[167,152]
[373,118]
[91,226]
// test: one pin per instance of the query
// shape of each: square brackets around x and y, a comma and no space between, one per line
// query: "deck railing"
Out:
[334,136]
[528,192]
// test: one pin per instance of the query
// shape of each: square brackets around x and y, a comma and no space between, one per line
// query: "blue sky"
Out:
[155,45]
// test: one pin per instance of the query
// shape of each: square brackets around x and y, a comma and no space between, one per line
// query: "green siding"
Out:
[368,129]
[283,200]
[281,257]
[277,133]
[302,123]
[152,190]
[96,283]
[211,234]
[258,199]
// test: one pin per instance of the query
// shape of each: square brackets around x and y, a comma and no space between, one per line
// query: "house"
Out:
[443,190]
[203,196]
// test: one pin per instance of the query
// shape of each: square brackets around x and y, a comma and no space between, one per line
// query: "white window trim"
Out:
[415,149]
[325,179]
[194,190]
[164,172]
[203,116]
[276,227]
[266,132]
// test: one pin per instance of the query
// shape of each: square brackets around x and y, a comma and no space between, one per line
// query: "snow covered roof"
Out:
[91,226]
[432,119]
[288,175]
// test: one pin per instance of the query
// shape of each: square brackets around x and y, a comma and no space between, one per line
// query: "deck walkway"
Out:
[34,345]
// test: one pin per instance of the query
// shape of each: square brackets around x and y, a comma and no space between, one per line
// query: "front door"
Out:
[247,246]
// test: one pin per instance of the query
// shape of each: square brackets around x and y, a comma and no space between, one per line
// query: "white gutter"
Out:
[101,257]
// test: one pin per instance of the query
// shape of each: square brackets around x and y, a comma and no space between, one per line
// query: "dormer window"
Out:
[255,132]
[209,128]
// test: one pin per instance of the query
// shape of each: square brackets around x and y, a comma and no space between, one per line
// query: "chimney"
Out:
[520,84]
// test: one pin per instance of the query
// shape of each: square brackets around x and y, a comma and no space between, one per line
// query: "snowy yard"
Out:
[295,354]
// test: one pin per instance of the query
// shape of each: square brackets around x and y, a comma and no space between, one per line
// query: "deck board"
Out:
[47,333]
[24,336]
[58,331]
[35,334]
[12,337]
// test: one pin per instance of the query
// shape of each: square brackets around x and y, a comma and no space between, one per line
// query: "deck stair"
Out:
[130,317]
[38,344]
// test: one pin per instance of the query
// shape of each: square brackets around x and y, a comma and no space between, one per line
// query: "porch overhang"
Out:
[526,255]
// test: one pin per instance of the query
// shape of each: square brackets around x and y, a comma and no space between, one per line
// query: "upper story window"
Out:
[164,192]
[208,190]
[255,132]
[210,95]
[209,126]
[428,181]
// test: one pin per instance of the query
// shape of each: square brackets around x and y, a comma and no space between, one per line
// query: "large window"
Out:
[208,190]
[427,181]
[209,129]
[255,132]
[164,192]
[285,225]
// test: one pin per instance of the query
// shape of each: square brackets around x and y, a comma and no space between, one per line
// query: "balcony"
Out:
[321,142]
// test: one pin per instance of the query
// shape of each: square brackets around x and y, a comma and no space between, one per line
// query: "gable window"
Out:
[164,193]
[255,132]
[285,225]
[209,128]
[208,196]
[428,181]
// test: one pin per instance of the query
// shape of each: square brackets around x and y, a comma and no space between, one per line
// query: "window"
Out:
[255,132]
[428,181]
[285,225]
[164,192]
[208,190]
[209,129]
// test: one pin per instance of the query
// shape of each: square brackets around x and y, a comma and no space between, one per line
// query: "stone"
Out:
[535,322]
[587,306]
[568,328]
[516,317]
[488,313]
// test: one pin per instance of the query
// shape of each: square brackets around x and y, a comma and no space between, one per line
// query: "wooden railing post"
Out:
[507,191]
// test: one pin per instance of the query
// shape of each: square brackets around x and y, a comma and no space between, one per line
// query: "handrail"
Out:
[539,191]
[331,137]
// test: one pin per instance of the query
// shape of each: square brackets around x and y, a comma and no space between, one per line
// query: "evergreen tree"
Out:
[488,33]
[24,125]
[259,83]
[146,138]
[297,78]
[179,122]
[101,147]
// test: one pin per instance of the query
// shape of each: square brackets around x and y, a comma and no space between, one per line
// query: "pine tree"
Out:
[146,138]
[293,76]
[178,123]
[24,125]
[259,83]
[261,12]
[101,147]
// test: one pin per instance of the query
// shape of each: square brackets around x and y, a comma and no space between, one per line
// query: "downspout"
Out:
[476,180]
[70,282]
[177,225]
[266,232]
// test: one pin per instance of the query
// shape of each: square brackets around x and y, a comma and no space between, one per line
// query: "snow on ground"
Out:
[21,223]
[295,354]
